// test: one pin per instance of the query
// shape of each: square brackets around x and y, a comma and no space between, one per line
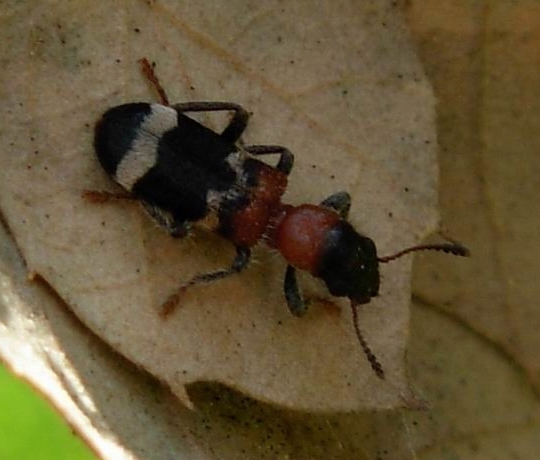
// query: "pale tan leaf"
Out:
[340,86]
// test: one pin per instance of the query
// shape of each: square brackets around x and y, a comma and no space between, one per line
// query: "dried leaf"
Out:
[343,91]
[357,122]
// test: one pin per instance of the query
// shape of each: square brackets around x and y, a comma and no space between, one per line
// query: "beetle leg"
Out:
[232,131]
[150,74]
[98,196]
[240,262]
[295,300]
[340,202]
[164,219]
[177,229]
[286,158]
[236,125]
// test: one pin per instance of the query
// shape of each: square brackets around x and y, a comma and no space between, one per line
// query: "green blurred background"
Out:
[30,429]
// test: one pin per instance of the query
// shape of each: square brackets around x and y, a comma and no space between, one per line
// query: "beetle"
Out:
[183,173]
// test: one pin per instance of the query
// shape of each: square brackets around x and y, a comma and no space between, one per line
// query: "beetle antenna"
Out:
[449,248]
[375,364]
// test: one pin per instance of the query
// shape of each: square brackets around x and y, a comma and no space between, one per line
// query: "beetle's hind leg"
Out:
[150,74]
[99,196]
[240,262]
[236,126]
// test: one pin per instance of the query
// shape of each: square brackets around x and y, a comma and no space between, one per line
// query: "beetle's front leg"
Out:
[339,202]
[293,295]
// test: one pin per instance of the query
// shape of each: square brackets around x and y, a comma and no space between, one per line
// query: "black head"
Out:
[350,268]
[349,264]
